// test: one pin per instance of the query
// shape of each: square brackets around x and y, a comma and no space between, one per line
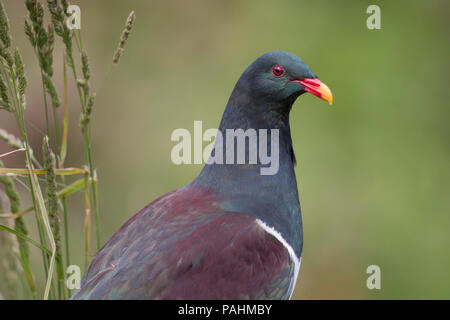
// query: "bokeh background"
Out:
[373,169]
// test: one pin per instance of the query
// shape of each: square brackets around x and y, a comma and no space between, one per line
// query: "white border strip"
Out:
[295,259]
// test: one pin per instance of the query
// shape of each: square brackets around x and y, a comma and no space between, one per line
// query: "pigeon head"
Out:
[277,78]
[268,88]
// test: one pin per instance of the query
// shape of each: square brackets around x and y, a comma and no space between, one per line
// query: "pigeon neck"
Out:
[256,146]
[243,188]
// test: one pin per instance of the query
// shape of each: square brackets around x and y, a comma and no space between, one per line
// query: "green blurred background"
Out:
[373,169]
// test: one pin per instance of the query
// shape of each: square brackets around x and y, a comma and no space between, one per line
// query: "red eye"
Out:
[277,70]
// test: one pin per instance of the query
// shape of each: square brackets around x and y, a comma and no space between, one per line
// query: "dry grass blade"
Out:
[66,191]
[15,142]
[11,152]
[62,172]
[44,215]
[26,238]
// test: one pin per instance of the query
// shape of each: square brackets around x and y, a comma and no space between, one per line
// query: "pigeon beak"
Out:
[317,88]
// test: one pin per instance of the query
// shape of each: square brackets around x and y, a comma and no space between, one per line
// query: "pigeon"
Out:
[235,231]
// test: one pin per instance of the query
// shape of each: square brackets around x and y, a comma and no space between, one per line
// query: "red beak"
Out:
[317,88]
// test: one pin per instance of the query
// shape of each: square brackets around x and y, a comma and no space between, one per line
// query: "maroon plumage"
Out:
[186,247]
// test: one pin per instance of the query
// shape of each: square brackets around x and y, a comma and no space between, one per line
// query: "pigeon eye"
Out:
[277,70]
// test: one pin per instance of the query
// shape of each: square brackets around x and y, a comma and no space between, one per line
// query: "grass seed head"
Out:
[124,37]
